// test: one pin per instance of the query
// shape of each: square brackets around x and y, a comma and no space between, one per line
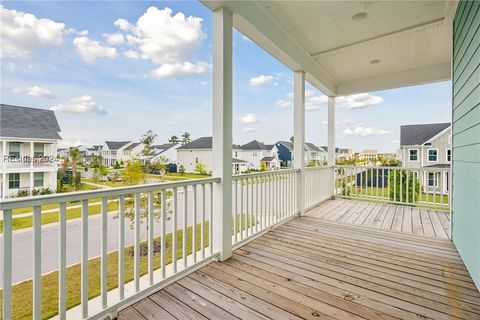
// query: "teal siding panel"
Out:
[466,136]
[466,217]
[468,120]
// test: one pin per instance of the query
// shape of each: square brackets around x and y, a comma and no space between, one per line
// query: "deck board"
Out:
[419,221]
[316,268]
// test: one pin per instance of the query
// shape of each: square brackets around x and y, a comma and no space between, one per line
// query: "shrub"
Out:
[396,188]
[181,170]
[23,193]
[200,168]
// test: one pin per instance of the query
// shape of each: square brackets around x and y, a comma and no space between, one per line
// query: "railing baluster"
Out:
[150,232]
[408,185]
[202,227]
[62,266]
[121,246]
[247,209]
[163,241]
[7,265]
[103,259]
[37,263]
[235,211]
[194,225]
[401,185]
[84,259]
[210,233]
[136,254]
[174,231]
[185,226]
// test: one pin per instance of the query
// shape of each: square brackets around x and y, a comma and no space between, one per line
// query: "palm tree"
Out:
[74,157]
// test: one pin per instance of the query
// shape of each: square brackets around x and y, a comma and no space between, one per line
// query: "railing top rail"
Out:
[394,168]
[263,173]
[318,168]
[6,204]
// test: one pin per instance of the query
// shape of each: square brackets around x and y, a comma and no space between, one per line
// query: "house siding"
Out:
[466,136]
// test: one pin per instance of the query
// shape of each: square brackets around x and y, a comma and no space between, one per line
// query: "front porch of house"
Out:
[336,262]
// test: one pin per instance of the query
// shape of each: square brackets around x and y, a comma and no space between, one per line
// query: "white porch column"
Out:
[31,166]
[222,131]
[299,135]
[331,131]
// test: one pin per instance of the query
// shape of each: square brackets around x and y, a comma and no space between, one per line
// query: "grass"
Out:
[22,292]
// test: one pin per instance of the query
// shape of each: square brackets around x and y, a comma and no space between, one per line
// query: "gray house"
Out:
[428,146]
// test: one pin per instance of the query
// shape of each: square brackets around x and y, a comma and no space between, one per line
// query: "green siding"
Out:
[466,135]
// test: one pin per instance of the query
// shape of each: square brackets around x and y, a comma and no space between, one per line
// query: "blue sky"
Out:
[111,79]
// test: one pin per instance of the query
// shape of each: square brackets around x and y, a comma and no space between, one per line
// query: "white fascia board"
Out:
[396,80]
[254,21]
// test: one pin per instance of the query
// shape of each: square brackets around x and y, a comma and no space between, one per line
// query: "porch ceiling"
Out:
[410,39]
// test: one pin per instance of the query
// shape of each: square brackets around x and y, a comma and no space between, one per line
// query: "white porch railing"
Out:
[426,187]
[262,200]
[183,211]
[318,185]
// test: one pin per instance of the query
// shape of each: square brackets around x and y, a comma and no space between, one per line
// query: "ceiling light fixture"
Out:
[374,61]
[359,16]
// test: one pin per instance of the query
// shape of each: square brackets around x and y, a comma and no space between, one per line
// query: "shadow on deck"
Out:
[312,268]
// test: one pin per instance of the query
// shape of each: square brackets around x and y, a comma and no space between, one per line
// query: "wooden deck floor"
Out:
[422,222]
[319,269]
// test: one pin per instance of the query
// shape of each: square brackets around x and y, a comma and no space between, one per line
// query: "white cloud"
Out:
[35,91]
[82,33]
[115,38]
[360,100]
[180,69]
[251,118]
[261,80]
[40,92]
[365,132]
[314,102]
[90,50]
[248,130]
[169,40]
[132,54]
[282,104]
[22,33]
[80,105]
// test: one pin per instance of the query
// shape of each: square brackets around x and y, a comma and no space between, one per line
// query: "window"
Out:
[14,149]
[14,180]
[254,154]
[38,179]
[413,155]
[38,150]
[449,155]
[432,155]
[196,159]
[433,179]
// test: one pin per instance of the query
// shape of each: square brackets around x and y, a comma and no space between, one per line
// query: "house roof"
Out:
[254,145]
[267,159]
[269,146]
[312,146]
[24,122]
[235,160]
[96,147]
[115,145]
[418,134]
[200,143]
[287,144]
[133,145]
[164,146]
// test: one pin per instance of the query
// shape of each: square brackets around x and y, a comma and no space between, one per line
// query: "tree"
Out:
[200,168]
[174,139]
[147,140]
[133,173]
[186,138]
[116,165]
[263,166]
[103,171]
[96,162]
[181,169]
[74,158]
[398,185]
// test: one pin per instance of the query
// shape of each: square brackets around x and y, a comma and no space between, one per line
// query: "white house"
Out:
[314,154]
[120,151]
[28,149]
[200,151]
[167,151]
[428,146]
[255,152]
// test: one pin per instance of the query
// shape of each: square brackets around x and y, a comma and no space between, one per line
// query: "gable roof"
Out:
[254,145]
[418,134]
[164,146]
[269,146]
[133,145]
[287,144]
[24,122]
[312,146]
[200,143]
[115,145]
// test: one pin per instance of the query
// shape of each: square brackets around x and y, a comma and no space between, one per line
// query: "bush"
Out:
[117,165]
[181,170]
[23,193]
[200,168]
[394,185]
